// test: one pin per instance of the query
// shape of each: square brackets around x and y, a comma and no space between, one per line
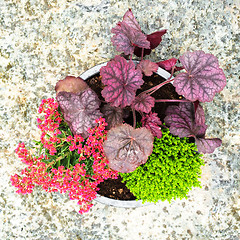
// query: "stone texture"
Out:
[43,41]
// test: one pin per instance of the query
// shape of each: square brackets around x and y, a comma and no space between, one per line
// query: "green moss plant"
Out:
[173,168]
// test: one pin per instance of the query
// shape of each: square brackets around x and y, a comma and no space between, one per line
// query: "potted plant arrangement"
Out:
[122,121]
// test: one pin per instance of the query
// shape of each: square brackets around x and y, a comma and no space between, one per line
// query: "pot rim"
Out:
[90,72]
[105,200]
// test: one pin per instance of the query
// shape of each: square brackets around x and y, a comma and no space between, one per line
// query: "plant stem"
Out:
[134,117]
[131,57]
[68,162]
[154,89]
[172,100]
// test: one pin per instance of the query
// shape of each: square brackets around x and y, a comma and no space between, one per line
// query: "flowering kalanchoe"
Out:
[66,163]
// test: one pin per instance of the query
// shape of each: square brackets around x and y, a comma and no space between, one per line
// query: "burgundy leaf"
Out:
[127,38]
[203,78]
[71,84]
[143,103]
[80,110]
[122,81]
[147,67]
[154,39]
[127,148]
[131,21]
[185,123]
[113,115]
[169,64]
[152,122]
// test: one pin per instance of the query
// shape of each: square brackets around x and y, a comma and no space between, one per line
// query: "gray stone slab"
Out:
[43,41]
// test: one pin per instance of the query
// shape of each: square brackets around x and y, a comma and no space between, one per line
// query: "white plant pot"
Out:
[109,201]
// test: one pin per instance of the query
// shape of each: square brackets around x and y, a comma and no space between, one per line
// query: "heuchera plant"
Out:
[199,80]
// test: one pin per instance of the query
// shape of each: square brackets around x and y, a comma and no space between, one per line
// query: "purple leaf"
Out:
[127,38]
[154,39]
[169,64]
[80,110]
[199,115]
[184,122]
[179,118]
[113,115]
[131,21]
[147,67]
[121,80]
[208,145]
[152,122]
[143,103]
[127,148]
[203,78]
[71,84]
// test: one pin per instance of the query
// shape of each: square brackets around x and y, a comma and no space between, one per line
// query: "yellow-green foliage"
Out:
[170,172]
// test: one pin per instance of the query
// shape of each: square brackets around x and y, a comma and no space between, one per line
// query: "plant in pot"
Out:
[126,124]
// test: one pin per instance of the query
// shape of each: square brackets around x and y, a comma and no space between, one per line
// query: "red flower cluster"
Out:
[50,170]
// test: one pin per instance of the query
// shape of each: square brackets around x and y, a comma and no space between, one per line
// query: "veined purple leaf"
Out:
[208,145]
[199,115]
[180,119]
[169,64]
[147,67]
[71,84]
[203,78]
[154,39]
[113,115]
[143,103]
[184,122]
[131,21]
[80,110]
[122,81]
[127,38]
[152,122]
[127,148]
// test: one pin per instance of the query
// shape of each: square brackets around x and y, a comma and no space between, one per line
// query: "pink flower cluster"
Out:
[49,125]
[80,180]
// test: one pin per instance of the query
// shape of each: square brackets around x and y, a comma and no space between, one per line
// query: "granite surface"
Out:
[42,41]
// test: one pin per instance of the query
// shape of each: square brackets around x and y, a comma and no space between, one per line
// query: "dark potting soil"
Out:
[114,188]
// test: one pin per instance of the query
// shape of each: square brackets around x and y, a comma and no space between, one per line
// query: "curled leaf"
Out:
[152,122]
[147,67]
[127,148]
[169,64]
[203,77]
[71,84]
[80,110]
[154,39]
[122,81]
[185,122]
[143,103]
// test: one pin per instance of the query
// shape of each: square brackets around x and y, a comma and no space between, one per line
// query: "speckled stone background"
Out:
[42,41]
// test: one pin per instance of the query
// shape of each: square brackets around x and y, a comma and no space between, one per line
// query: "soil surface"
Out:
[114,188]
